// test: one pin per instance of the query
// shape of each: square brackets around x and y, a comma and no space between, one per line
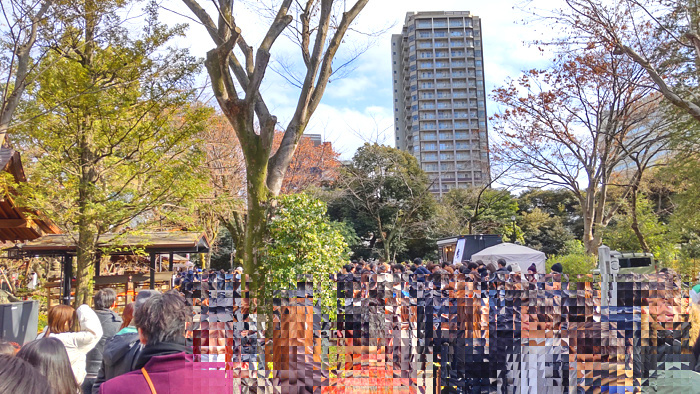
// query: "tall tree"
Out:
[223,205]
[578,123]
[475,211]
[322,26]
[22,20]
[661,36]
[125,145]
[386,197]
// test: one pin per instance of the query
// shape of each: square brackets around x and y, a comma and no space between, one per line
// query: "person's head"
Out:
[501,263]
[398,269]
[162,318]
[49,356]
[557,268]
[8,348]
[105,299]
[61,318]
[20,377]
[418,261]
[480,264]
[472,267]
[127,315]
[348,268]
[532,269]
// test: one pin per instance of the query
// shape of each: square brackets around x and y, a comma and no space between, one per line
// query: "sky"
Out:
[358,108]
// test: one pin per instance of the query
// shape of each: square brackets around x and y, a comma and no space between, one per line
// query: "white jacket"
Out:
[78,344]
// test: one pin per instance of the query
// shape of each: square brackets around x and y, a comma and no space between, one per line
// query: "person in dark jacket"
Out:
[421,272]
[103,300]
[162,365]
[122,350]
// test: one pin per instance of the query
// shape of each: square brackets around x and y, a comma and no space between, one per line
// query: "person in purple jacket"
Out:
[165,364]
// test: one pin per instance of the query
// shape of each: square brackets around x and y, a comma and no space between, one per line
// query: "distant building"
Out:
[317,139]
[439,97]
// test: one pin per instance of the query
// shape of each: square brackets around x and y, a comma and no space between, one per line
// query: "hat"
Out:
[557,268]
[239,269]
[142,296]
[533,268]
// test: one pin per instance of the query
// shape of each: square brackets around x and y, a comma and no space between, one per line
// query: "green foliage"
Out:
[114,130]
[475,211]
[618,235]
[221,255]
[544,231]
[305,243]
[385,197]
[556,218]
[574,259]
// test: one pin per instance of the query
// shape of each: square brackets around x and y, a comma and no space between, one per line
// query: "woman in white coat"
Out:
[79,331]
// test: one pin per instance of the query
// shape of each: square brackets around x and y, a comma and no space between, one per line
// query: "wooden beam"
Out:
[16,223]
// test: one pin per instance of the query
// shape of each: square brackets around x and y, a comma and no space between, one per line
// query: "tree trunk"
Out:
[635,222]
[589,241]
[236,229]
[259,199]
[85,273]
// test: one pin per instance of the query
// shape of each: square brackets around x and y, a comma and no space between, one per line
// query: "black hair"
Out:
[104,298]
[398,267]
[417,261]
[479,262]
[49,356]
[163,317]
[472,266]
[20,377]
[348,267]
[502,262]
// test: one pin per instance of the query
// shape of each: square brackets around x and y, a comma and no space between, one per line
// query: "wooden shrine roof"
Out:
[19,224]
[120,244]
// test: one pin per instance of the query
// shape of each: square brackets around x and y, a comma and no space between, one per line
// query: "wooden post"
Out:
[153,271]
[98,262]
[170,262]
[67,278]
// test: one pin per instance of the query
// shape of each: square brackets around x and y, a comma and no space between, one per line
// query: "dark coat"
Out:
[120,355]
[110,322]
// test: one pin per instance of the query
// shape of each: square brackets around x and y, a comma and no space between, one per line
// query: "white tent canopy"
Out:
[513,254]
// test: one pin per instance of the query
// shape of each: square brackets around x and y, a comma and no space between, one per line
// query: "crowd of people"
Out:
[406,327]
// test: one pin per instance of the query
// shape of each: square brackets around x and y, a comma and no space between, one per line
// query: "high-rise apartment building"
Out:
[440,99]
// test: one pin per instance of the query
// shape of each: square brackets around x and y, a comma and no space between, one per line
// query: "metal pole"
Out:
[153,271]
[67,277]
[604,266]
[170,262]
